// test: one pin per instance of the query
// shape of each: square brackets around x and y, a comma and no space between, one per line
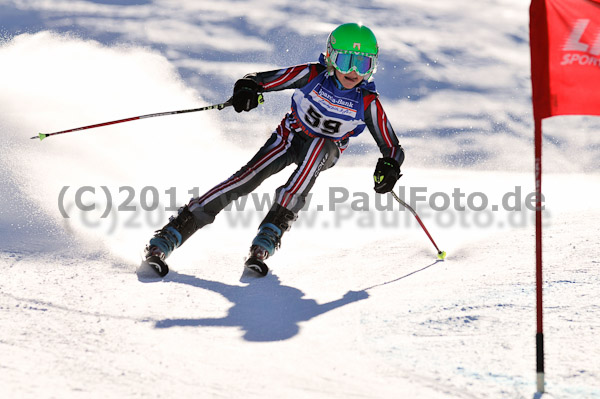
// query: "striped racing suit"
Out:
[312,135]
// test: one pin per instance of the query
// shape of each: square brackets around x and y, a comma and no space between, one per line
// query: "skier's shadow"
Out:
[264,309]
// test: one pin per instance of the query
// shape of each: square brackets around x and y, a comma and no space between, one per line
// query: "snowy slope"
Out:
[356,305]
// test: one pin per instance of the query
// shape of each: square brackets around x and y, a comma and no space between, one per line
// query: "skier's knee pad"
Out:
[333,154]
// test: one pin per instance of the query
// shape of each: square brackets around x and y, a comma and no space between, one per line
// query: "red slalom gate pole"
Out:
[441,254]
[539,336]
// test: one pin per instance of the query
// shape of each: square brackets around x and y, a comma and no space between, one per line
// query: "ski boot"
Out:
[165,240]
[268,240]
[264,245]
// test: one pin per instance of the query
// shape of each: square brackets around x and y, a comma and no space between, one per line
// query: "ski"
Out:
[256,265]
[158,265]
[152,266]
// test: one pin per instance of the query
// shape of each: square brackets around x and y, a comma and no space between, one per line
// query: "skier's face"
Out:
[348,80]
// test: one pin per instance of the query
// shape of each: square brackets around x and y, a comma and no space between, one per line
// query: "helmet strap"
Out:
[337,82]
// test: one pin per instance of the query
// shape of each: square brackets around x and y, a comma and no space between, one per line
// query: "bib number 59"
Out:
[315,119]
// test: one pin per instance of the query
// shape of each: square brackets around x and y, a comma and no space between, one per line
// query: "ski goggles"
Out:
[347,62]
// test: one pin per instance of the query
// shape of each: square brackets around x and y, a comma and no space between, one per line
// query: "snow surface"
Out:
[357,304]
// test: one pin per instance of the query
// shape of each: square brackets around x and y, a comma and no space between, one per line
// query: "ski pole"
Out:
[441,254]
[227,103]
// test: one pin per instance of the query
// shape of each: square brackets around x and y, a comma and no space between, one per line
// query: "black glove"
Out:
[387,173]
[245,95]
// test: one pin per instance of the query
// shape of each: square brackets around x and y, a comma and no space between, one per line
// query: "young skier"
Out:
[334,100]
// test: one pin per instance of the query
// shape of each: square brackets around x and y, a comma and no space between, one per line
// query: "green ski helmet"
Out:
[352,47]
